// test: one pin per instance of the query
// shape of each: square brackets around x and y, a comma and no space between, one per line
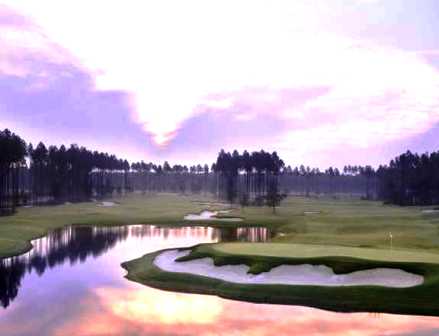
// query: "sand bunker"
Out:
[107,204]
[430,211]
[312,212]
[204,204]
[287,274]
[210,204]
[211,216]
[224,211]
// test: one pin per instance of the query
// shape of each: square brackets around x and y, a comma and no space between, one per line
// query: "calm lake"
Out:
[71,283]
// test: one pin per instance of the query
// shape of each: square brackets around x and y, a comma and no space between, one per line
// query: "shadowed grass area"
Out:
[419,300]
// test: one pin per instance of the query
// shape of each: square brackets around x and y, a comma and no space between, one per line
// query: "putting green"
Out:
[285,250]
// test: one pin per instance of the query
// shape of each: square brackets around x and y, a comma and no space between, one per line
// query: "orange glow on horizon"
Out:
[146,305]
[146,311]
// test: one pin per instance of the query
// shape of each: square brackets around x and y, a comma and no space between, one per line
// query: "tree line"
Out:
[410,179]
[12,159]
[54,174]
[150,177]
[71,174]
[51,174]
[249,178]
[355,181]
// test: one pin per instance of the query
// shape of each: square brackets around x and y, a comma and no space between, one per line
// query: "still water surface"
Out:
[71,283]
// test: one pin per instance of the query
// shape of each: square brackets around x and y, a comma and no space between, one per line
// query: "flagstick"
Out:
[391,241]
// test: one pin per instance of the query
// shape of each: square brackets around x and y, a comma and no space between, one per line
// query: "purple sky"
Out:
[322,82]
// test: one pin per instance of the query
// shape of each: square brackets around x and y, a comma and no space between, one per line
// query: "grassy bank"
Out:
[17,230]
[417,300]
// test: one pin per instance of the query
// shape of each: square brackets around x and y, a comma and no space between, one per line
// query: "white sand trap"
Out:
[287,274]
[430,211]
[211,216]
[224,211]
[209,204]
[107,204]
[312,212]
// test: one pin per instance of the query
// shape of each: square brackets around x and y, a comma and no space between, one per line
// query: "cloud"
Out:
[250,119]
[9,18]
[172,56]
[372,96]
[173,76]
[47,96]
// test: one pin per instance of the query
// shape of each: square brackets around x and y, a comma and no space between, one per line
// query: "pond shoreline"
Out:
[19,230]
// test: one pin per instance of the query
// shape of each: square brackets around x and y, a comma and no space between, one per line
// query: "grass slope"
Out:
[18,230]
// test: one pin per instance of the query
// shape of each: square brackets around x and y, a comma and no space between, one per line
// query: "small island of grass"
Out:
[256,259]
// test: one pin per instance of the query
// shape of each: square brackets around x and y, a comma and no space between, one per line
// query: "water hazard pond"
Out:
[71,283]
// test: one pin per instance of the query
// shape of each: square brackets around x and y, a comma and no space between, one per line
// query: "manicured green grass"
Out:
[419,300]
[353,223]
[10,247]
[285,250]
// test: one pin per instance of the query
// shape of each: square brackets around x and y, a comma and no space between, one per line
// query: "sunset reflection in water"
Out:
[90,297]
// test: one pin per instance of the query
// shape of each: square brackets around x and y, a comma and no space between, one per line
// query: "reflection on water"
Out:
[75,244]
[72,284]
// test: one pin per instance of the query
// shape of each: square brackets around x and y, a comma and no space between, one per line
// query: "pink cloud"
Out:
[10,18]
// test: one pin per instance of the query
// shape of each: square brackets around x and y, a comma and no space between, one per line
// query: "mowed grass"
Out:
[284,250]
[352,223]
